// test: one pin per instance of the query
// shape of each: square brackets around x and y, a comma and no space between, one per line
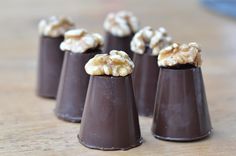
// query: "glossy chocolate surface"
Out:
[110,119]
[49,66]
[181,111]
[145,77]
[118,43]
[73,86]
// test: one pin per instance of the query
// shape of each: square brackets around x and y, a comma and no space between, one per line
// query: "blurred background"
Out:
[211,23]
[186,20]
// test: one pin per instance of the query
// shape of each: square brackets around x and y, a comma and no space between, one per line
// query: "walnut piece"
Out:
[117,63]
[148,37]
[79,41]
[55,26]
[180,54]
[122,23]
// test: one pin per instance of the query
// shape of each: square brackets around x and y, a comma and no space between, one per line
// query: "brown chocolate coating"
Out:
[181,112]
[145,77]
[73,86]
[110,119]
[49,66]
[118,43]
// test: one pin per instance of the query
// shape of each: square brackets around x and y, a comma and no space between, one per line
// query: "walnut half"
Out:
[55,26]
[117,63]
[180,54]
[79,41]
[148,37]
[122,23]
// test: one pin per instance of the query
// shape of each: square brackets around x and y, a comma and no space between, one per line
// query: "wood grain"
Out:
[27,123]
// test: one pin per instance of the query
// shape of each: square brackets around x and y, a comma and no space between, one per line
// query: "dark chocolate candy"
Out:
[118,43]
[145,77]
[110,119]
[49,66]
[73,86]
[181,112]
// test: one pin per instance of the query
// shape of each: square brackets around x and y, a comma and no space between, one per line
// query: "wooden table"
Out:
[27,123]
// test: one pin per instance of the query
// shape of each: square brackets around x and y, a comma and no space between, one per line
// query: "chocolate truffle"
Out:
[120,28]
[181,112]
[146,45]
[50,56]
[79,47]
[110,119]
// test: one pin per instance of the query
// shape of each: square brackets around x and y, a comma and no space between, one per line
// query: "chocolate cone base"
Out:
[118,43]
[182,139]
[73,86]
[145,77]
[49,66]
[181,112]
[110,148]
[110,118]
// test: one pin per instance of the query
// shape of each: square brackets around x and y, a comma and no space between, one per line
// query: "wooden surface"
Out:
[27,123]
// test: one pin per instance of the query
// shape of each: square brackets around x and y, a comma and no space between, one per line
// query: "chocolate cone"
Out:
[49,66]
[181,112]
[110,119]
[73,86]
[145,77]
[118,43]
